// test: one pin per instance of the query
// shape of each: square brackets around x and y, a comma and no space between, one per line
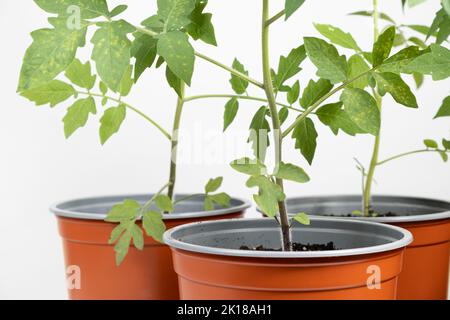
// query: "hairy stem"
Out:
[174,147]
[268,87]
[401,155]
[143,115]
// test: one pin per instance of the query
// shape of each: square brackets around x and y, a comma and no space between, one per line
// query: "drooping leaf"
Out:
[336,118]
[117,232]
[143,49]
[222,199]
[293,93]
[383,46]
[127,82]
[137,235]
[283,114]
[337,36]
[259,133]
[231,109]
[356,67]
[51,52]
[440,26]
[362,109]
[53,93]
[111,121]
[418,79]
[178,53]
[444,110]
[111,51]
[291,6]
[80,74]
[174,82]
[122,247]
[164,203]
[213,185]
[302,218]
[326,58]
[268,196]
[305,136]
[291,172]
[153,224]
[289,66]
[399,90]
[314,91]
[124,211]
[175,13]
[249,167]
[435,63]
[78,114]
[239,85]
[88,9]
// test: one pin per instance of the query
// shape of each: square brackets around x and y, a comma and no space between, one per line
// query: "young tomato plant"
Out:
[121,52]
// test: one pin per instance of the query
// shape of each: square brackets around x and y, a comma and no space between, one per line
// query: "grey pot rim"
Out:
[177,244]
[400,219]
[56,209]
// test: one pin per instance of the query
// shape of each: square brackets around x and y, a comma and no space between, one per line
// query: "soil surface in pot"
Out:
[296,246]
[372,214]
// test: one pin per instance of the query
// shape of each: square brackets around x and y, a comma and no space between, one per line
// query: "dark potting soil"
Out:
[296,247]
[372,214]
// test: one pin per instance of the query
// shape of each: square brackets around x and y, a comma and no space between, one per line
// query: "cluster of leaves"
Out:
[269,192]
[434,146]
[211,200]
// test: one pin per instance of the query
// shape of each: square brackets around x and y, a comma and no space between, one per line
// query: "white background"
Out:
[38,166]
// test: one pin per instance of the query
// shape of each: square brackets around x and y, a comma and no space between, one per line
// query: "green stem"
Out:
[231,70]
[367,194]
[316,105]
[240,97]
[275,17]
[174,147]
[156,195]
[278,140]
[401,155]
[143,115]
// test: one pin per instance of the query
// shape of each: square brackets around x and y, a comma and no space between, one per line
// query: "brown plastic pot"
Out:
[209,264]
[425,272]
[144,275]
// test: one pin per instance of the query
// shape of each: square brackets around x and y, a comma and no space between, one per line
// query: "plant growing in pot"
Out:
[292,257]
[52,74]
[427,219]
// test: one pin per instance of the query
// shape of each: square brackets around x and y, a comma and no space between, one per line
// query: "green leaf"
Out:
[208,204]
[356,67]
[268,196]
[362,110]
[153,224]
[175,13]
[283,114]
[305,136]
[293,93]
[259,133]
[201,26]
[122,247]
[336,118]
[399,90]
[164,203]
[400,60]
[314,91]
[383,46]
[291,172]
[249,167]
[429,143]
[118,10]
[111,51]
[80,74]
[111,121]
[418,79]
[337,36]
[444,156]
[174,82]
[291,6]
[413,3]
[446,144]
[302,218]
[231,109]
[213,185]
[239,85]
[77,115]
[446,5]
[137,235]
[143,49]
[51,52]
[127,82]
[435,63]
[103,88]
[326,58]
[425,30]
[444,110]
[89,9]
[222,199]
[117,232]
[154,23]
[178,53]
[125,211]
[289,66]
[418,42]
[53,92]
[369,14]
